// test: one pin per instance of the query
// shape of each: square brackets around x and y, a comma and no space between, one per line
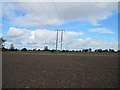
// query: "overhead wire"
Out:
[47,14]
[50,19]
[40,7]
[58,15]
[52,22]
[37,13]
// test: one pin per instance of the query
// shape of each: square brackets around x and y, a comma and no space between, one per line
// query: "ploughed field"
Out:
[80,70]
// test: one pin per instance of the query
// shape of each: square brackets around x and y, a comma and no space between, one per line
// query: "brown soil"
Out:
[60,71]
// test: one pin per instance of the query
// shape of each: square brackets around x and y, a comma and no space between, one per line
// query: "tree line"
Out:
[12,48]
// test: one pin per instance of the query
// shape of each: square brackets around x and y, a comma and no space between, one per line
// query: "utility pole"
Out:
[61,38]
[56,40]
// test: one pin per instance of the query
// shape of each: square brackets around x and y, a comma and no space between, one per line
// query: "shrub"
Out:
[24,49]
[52,50]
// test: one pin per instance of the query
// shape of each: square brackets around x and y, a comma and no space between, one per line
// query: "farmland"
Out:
[59,70]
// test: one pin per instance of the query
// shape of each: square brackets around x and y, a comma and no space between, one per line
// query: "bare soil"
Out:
[91,70]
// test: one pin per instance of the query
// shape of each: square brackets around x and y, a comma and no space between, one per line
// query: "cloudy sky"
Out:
[34,24]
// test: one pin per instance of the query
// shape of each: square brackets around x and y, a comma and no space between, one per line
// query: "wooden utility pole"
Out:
[61,38]
[56,40]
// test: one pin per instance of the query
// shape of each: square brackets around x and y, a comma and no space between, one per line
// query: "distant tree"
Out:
[29,50]
[24,49]
[85,50]
[2,41]
[46,48]
[98,50]
[52,50]
[105,50]
[111,50]
[63,50]
[12,47]
[38,49]
[90,50]
[2,46]
[118,50]
[16,49]
[35,49]
[66,50]
[58,50]
[73,50]
[76,51]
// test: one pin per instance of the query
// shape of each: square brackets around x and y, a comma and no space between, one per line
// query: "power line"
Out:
[46,12]
[58,18]
[32,9]
[43,9]
[50,21]
[56,9]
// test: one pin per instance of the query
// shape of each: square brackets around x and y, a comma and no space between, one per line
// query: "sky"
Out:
[86,24]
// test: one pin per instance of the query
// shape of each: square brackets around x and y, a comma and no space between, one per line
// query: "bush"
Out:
[111,50]
[34,49]
[98,50]
[85,50]
[105,50]
[52,50]
[46,48]
[118,50]
[24,49]
[16,49]
[67,51]
[38,49]
[12,47]
[63,50]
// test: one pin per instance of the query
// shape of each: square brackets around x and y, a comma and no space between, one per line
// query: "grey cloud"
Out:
[50,14]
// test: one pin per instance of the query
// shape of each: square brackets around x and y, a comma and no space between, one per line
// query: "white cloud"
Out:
[38,38]
[101,30]
[44,14]
[46,36]
[60,0]
[15,35]
[41,37]
[14,32]
[93,43]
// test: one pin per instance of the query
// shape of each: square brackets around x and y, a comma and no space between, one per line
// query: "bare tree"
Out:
[12,47]
[2,43]
[46,48]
